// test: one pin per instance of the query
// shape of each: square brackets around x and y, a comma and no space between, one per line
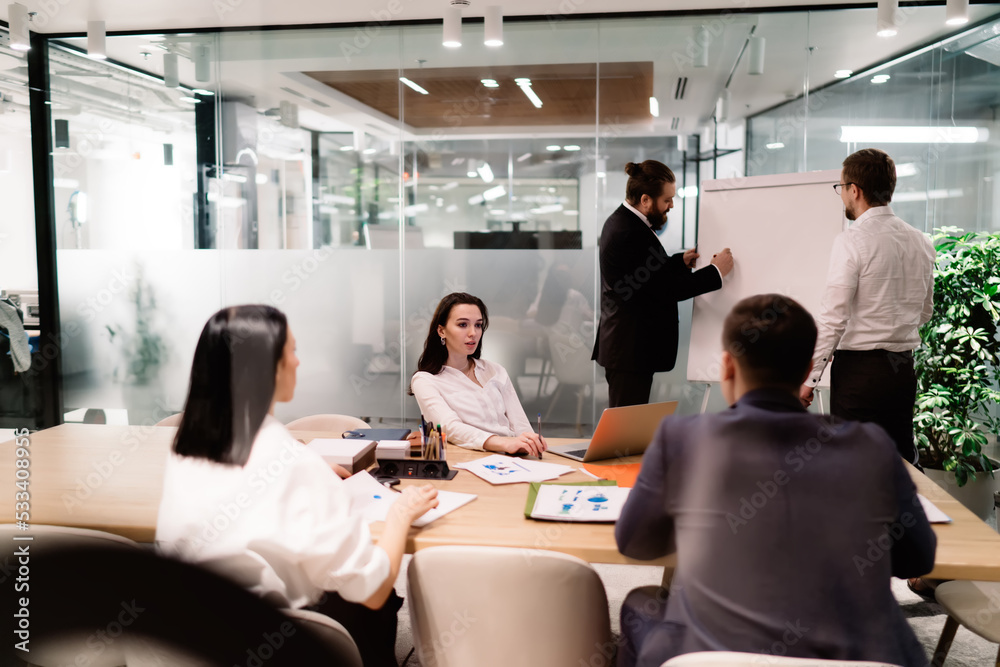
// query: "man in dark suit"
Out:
[641,285]
[787,526]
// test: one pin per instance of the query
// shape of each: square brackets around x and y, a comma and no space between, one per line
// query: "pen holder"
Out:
[416,469]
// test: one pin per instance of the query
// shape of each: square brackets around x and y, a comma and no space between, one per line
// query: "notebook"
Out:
[592,502]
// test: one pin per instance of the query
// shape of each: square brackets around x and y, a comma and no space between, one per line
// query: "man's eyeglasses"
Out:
[837,186]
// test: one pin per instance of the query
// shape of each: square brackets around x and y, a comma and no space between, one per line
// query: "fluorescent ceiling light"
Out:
[413,209]
[654,107]
[571,148]
[493,35]
[494,193]
[525,86]
[497,211]
[774,146]
[906,170]
[490,83]
[485,172]
[414,86]
[524,157]
[452,32]
[190,100]
[843,73]
[203,91]
[880,78]
[347,148]
[369,151]
[924,196]
[457,160]
[957,12]
[548,208]
[689,191]
[553,147]
[877,134]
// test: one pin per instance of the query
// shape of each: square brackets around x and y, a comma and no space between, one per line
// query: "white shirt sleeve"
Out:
[515,411]
[928,309]
[838,298]
[435,409]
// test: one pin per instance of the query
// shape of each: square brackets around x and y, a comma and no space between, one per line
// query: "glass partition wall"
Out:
[353,176]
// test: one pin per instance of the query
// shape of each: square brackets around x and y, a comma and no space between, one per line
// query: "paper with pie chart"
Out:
[579,503]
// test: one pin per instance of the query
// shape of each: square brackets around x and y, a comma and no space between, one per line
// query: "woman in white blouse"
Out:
[244,498]
[472,399]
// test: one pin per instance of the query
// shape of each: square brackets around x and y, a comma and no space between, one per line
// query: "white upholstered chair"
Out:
[974,604]
[333,423]
[480,605]
[733,659]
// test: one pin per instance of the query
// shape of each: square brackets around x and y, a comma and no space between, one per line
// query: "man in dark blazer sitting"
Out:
[787,525]
[641,285]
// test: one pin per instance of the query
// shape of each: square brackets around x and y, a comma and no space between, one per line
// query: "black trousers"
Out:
[373,630]
[876,386]
[628,387]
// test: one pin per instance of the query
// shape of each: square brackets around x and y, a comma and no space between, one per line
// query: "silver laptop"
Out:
[624,431]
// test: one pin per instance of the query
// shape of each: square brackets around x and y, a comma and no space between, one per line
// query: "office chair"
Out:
[974,604]
[493,607]
[332,423]
[733,659]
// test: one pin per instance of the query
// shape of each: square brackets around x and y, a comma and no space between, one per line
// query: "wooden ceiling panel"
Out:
[458,98]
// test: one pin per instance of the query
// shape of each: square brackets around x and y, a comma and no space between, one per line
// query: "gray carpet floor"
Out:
[926,618]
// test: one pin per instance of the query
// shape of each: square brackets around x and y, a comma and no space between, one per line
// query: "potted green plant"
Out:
[143,353]
[958,367]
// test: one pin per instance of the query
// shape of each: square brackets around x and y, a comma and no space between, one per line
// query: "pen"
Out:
[539,435]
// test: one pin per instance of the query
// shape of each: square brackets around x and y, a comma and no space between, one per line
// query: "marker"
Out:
[539,434]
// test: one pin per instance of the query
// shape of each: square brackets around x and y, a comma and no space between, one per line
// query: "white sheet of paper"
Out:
[934,515]
[372,500]
[579,503]
[499,469]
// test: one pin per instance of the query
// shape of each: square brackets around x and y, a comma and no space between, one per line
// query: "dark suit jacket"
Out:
[778,517]
[640,288]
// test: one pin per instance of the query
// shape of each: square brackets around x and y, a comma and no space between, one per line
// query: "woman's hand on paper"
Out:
[342,472]
[414,502]
[528,442]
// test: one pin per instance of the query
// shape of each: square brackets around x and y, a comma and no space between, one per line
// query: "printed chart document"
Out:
[498,469]
[372,500]
[559,502]
[934,515]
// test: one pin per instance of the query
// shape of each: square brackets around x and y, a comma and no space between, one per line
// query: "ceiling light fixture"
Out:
[774,146]
[722,106]
[494,193]
[452,33]
[202,63]
[485,172]
[522,158]
[420,89]
[493,35]
[701,41]
[525,86]
[489,83]
[957,12]
[17,20]
[471,169]
[880,78]
[654,107]
[682,143]
[755,56]
[901,134]
[571,148]
[171,76]
[203,91]
[553,148]
[885,24]
[843,73]
[906,170]
[97,42]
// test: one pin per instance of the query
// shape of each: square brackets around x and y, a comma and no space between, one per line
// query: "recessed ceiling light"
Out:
[571,147]
[347,148]
[843,73]
[203,91]
[490,83]
[880,78]
[553,147]
[774,146]
[524,157]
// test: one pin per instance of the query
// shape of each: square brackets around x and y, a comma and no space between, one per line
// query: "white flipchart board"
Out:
[781,229]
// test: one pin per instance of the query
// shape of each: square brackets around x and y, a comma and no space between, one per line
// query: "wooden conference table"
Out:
[110,478]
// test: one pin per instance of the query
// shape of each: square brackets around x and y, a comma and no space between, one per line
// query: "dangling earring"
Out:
[443,341]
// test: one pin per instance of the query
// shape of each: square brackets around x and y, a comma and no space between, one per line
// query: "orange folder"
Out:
[624,473]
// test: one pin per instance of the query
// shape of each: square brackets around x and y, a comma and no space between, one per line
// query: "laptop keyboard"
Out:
[577,452]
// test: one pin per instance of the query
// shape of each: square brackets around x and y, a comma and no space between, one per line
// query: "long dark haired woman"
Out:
[473,399]
[242,494]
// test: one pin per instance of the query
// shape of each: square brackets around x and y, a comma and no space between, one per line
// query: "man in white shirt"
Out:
[879,291]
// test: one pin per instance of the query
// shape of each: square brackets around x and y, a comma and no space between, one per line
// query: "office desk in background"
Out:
[111,477]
